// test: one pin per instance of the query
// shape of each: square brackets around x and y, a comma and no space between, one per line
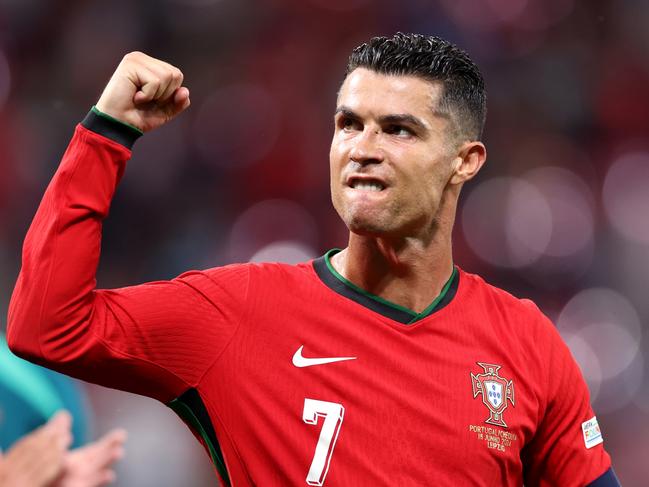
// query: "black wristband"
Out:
[111,128]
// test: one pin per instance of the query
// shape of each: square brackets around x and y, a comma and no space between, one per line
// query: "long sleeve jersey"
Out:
[292,375]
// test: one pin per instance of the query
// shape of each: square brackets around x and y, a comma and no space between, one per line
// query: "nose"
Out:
[366,147]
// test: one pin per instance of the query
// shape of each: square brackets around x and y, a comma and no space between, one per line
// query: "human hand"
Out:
[37,459]
[91,465]
[144,92]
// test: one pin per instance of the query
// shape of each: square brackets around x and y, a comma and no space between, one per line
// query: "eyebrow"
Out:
[396,118]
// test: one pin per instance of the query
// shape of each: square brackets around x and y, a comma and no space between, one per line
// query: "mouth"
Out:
[366,184]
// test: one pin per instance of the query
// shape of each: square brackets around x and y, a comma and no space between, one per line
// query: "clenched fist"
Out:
[144,92]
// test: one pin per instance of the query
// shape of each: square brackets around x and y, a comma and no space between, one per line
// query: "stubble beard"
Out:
[372,222]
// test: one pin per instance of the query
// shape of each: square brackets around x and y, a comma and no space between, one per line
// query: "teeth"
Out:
[367,186]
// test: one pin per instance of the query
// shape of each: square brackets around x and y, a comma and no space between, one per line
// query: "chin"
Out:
[365,220]
[367,227]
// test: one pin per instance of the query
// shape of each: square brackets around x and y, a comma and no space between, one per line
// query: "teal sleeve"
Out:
[30,395]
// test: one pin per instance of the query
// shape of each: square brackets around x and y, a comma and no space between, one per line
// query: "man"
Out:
[381,364]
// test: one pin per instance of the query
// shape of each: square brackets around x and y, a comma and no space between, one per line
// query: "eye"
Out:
[399,130]
[349,124]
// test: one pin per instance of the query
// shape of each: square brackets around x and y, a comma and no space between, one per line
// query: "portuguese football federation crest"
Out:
[495,392]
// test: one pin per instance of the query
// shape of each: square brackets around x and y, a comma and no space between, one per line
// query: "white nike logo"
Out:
[300,361]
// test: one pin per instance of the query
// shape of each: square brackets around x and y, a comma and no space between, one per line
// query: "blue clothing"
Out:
[30,395]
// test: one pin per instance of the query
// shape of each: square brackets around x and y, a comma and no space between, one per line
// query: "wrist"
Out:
[111,128]
[97,111]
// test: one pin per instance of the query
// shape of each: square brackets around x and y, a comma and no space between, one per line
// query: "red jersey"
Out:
[291,375]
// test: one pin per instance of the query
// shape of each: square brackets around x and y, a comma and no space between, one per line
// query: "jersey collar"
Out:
[332,279]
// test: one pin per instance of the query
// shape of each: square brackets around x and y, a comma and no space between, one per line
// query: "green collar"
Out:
[342,286]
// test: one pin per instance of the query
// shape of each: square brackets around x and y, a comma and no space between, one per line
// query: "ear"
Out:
[469,160]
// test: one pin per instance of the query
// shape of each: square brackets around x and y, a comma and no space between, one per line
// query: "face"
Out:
[391,155]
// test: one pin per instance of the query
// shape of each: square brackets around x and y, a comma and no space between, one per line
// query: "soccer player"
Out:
[379,364]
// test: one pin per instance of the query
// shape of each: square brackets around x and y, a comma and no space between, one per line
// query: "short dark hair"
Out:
[464,97]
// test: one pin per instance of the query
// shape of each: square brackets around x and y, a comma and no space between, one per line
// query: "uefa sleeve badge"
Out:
[495,390]
[592,433]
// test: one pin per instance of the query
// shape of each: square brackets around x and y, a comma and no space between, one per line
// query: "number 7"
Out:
[333,413]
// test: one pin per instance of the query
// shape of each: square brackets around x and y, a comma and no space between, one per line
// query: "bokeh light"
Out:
[602,320]
[621,391]
[604,316]
[626,196]
[287,252]
[588,361]
[507,222]
[543,220]
[268,222]
[571,205]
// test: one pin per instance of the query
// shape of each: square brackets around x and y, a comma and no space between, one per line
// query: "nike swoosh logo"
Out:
[300,361]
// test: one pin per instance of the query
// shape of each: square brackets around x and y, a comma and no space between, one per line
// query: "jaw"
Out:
[382,216]
[363,211]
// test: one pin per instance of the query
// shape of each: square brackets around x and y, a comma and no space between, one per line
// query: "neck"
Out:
[410,272]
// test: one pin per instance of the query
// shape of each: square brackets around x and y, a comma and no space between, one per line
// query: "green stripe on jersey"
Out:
[190,407]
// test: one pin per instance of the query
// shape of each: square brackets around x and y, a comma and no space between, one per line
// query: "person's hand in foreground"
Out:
[91,465]
[38,459]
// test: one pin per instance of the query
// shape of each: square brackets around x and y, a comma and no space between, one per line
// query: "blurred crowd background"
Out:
[560,213]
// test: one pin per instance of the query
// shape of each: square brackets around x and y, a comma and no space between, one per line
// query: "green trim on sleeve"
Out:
[100,123]
[98,112]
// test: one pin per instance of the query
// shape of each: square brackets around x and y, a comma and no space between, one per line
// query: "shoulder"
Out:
[277,275]
[270,273]
[479,289]
[507,309]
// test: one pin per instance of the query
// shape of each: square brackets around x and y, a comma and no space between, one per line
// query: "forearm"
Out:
[115,337]
[53,298]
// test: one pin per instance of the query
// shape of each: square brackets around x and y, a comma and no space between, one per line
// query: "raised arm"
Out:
[155,339]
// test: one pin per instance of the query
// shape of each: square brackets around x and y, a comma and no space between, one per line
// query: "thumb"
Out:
[177,103]
[181,95]
[181,99]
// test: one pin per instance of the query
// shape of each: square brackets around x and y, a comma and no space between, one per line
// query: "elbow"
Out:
[47,335]
[21,336]
[19,345]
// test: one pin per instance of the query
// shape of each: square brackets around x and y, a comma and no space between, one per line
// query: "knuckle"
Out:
[168,77]
[176,80]
[132,56]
